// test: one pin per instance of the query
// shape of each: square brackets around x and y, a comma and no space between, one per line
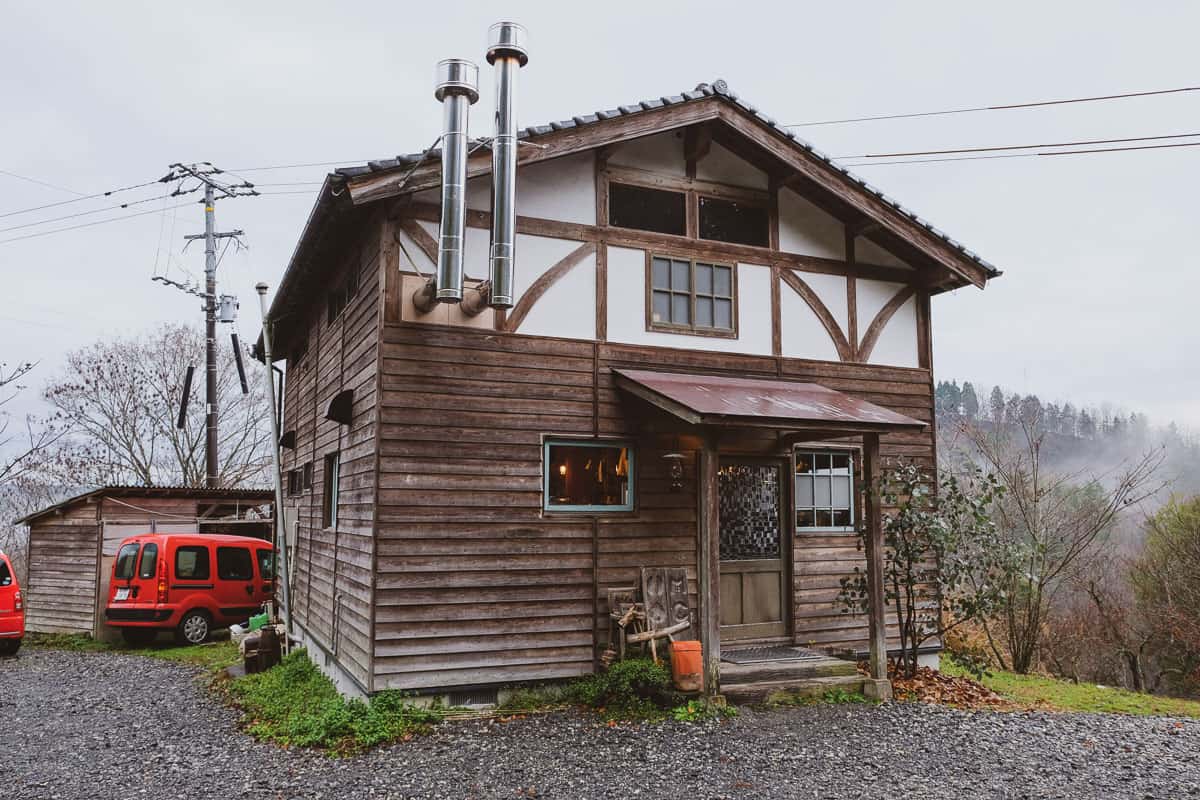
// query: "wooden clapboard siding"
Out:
[333,570]
[474,583]
[60,590]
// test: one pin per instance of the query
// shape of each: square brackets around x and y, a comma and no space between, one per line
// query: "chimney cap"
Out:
[507,39]
[457,76]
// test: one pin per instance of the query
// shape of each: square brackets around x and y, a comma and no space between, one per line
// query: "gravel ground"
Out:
[76,725]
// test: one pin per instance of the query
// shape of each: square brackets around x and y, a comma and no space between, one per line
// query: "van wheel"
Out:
[139,637]
[193,628]
[9,647]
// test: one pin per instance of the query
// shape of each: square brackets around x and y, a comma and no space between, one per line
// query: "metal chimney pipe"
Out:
[457,89]
[506,52]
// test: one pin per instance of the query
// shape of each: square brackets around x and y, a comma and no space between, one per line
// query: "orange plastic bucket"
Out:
[687,666]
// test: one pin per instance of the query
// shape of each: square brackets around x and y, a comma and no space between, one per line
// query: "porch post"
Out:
[709,564]
[878,685]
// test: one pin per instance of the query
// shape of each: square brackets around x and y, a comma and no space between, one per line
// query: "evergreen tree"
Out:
[970,403]
[996,404]
[1067,420]
[1087,425]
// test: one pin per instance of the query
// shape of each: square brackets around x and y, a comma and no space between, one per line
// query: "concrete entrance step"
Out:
[761,691]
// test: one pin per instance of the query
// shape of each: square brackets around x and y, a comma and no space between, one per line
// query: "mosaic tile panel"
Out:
[748,500]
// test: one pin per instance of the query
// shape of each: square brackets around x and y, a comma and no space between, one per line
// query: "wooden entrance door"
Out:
[753,542]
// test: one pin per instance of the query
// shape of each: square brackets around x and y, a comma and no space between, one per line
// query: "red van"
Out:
[12,609]
[187,583]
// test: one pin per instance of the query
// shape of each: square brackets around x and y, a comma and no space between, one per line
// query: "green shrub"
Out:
[700,710]
[632,689]
[295,705]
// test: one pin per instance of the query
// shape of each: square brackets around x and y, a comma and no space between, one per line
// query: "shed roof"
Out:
[757,402]
[181,492]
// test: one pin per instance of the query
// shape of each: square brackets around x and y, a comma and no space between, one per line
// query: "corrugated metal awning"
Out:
[757,402]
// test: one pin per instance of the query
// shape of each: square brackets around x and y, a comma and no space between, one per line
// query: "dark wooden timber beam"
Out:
[834,182]
[877,684]
[709,558]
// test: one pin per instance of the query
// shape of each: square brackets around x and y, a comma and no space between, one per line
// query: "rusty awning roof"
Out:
[757,402]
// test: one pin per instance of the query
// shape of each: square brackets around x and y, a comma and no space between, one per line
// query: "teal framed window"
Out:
[824,490]
[583,475]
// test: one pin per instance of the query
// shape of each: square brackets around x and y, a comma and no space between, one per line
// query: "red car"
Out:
[187,583]
[12,609]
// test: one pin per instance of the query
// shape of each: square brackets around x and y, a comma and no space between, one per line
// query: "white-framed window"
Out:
[824,490]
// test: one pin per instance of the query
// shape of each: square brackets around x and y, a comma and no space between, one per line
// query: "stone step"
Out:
[785,670]
[761,691]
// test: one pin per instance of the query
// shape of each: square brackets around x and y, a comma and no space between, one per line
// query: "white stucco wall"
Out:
[867,252]
[722,166]
[897,343]
[627,308]
[569,307]
[662,152]
[801,333]
[806,230]
[832,291]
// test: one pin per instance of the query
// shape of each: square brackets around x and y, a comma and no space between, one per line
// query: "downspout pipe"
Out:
[507,54]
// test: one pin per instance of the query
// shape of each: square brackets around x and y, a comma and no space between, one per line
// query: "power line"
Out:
[1023,155]
[91,224]
[1005,107]
[297,166]
[79,199]
[38,182]
[1022,146]
[93,211]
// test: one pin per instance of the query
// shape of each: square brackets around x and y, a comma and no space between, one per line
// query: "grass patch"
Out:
[213,656]
[294,705]
[1041,692]
[835,696]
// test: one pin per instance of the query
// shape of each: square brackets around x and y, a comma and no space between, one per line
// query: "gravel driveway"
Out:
[76,725]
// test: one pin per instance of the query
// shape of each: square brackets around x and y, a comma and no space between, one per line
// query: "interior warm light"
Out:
[563,470]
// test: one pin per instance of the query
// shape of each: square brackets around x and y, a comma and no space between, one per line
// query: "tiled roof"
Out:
[717,88]
[197,492]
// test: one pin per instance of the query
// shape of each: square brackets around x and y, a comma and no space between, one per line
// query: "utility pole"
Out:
[208,176]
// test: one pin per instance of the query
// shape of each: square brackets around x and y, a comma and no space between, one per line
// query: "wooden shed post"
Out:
[708,524]
[877,685]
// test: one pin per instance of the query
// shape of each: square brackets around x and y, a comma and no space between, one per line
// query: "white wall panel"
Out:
[807,230]
[562,189]
[568,308]
[627,308]
[831,289]
[722,166]
[897,345]
[662,152]
[802,334]
[477,247]
[872,296]
[867,252]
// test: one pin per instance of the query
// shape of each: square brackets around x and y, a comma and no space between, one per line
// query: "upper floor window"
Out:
[692,296]
[824,490]
[734,221]
[647,209]
[587,476]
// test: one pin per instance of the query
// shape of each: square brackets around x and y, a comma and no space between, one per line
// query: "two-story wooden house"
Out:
[717,335]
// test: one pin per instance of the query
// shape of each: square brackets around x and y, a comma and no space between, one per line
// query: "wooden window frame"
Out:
[855,456]
[625,508]
[691,329]
[330,481]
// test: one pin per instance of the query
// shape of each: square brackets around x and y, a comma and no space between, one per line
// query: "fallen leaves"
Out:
[931,686]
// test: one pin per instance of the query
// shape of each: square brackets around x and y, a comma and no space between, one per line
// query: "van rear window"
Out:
[234,564]
[191,563]
[148,566]
[266,565]
[126,559]
[5,574]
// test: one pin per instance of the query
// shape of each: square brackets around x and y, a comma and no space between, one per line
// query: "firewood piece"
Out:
[658,634]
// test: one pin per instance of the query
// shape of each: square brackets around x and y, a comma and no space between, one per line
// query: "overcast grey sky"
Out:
[1098,300]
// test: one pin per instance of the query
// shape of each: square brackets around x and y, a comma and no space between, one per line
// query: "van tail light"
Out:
[162,581]
[17,604]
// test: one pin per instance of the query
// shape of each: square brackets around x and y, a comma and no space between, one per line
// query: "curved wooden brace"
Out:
[543,284]
[881,320]
[421,238]
[844,350]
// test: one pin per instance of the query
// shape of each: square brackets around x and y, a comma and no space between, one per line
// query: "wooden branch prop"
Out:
[662,633]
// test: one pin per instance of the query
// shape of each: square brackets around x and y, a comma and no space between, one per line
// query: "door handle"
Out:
[250,590]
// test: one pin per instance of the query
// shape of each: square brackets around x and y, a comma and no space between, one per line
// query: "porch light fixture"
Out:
[675,468]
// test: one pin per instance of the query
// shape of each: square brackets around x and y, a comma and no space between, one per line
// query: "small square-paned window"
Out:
[824,490]
[587,476]
[692,296]
[646,209]
[734,221]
